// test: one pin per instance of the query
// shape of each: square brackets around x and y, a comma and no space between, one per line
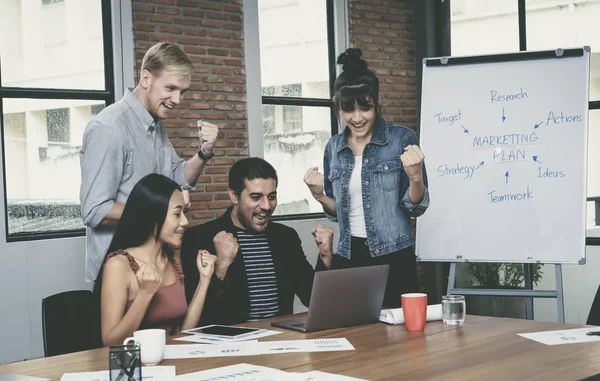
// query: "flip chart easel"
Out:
[494,130]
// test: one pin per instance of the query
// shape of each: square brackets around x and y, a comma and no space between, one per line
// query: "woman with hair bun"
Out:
[373,181]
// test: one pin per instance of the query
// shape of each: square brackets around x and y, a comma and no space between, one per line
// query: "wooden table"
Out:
[485,348]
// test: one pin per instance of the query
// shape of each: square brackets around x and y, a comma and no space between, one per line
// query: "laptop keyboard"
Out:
[299,325]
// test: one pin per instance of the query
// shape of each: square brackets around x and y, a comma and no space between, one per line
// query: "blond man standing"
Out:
[127,141]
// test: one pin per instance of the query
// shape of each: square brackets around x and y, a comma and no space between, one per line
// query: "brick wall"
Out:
[384,31]
[211,33]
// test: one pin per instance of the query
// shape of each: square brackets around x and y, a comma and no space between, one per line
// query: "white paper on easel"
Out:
[396,316]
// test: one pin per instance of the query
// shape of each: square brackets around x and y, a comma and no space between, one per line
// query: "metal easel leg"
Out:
[451,278]
[559,293]
[528,286]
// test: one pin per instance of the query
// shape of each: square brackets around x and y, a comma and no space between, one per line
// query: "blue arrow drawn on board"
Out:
[464,129]
[503,117]
[506,174]
[539,124]
[480,164]
[536,160]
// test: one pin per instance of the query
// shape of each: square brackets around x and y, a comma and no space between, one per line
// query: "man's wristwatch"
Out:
[204,157]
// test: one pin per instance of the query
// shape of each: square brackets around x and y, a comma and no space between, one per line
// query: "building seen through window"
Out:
[53,53]
[296,110]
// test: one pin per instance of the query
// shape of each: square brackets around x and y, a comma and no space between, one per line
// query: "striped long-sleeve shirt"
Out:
[262,283]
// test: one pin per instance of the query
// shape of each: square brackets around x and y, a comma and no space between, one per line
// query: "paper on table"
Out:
[396,316]
[323,376]
[237,372]
[247,372]
[188,351]
[196,338]
[316,345]
[20,377]
[565,336]
[158,373]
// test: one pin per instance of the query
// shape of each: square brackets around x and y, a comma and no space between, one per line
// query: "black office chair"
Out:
[70,322]
[594,316]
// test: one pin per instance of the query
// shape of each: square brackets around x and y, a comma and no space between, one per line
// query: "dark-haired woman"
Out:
[373,181]
[141,279]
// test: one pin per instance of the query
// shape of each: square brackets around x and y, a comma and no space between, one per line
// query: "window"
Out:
[297,72]
[538,25]
[483,27]
[54,78]
[59,129]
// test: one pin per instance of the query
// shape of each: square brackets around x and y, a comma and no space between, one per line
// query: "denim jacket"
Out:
[386,204]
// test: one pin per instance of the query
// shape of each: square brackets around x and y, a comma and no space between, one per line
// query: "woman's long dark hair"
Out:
[356,84]
[145,211]
[144,214]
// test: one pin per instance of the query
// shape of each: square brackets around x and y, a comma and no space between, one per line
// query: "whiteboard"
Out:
[505,143]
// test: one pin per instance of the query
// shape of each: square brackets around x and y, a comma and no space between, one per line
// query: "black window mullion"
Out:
[296,101]
[43,93]
[332,61]
[522,26]
[109,75]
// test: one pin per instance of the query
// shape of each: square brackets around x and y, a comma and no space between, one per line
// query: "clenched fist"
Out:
[148,278]
[207,133]
[314,180]
[226,247]
[412,161]
[206,264]
[324,239]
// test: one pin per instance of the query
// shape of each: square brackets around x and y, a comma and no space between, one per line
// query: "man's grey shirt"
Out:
[122,144]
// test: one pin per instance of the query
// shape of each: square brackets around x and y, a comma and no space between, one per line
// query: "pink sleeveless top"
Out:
[168,306]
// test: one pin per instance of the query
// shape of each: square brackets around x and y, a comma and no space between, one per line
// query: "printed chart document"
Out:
[565,336]
[316,345]
[322,376]
[250,348]
[197,338]
[237,372]
[154,373]
[189,351]
[247,372]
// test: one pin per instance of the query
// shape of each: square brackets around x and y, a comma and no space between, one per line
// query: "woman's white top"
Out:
[358,227]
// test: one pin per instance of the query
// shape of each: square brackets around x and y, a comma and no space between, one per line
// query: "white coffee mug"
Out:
[152,344]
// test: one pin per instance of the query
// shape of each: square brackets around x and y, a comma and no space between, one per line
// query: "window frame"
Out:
[107,95]
[333,21]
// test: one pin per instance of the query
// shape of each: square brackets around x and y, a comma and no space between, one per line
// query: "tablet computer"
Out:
[224,331]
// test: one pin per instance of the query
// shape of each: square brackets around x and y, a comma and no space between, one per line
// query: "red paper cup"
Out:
[414,308]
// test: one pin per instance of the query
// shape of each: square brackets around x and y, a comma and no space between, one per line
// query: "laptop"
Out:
[343,298]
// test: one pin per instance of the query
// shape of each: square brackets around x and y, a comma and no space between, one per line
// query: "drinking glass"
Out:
[453,309]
